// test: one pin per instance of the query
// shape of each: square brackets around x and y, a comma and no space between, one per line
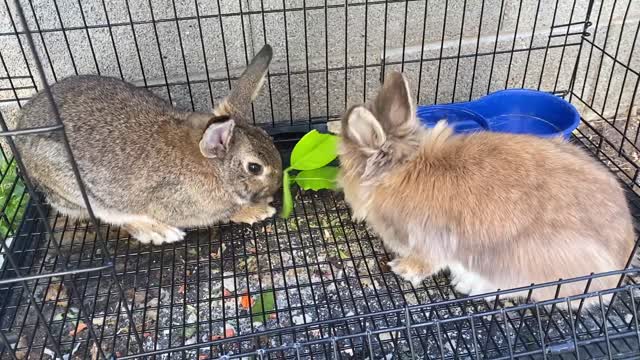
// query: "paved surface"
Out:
[173,50]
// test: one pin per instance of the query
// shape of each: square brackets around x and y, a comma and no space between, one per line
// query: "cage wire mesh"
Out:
[315,285]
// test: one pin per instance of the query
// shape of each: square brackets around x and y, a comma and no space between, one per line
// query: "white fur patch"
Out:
[149,231]
[73,213]
[467,282]
[334,127]
[168,235]
[142,227]
[120,218]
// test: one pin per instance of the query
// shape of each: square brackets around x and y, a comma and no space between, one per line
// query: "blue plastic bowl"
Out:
[516,111]
[462,120]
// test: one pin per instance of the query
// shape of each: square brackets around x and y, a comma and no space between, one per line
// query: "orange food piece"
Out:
[246,301]
[81,326]
[229,332]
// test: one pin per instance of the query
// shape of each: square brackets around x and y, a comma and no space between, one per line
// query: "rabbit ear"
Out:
[394,107]
[361,127]
[364,129]
[201,120]
[246,89]
[215,140]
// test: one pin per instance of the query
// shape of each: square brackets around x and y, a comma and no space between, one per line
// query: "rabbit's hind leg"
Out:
[142,227]
[150,231]
[66,207]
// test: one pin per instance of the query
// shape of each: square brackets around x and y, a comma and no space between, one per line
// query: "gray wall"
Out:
[518,30]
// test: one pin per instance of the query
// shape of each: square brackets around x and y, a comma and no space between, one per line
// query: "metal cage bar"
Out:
[324,278]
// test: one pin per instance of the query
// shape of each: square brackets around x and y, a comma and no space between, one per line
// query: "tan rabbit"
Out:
[498,210]
[151,167]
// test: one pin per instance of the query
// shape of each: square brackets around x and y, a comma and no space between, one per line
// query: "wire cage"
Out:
[315,285]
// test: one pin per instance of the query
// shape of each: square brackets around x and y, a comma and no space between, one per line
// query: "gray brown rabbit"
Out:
[151,167]
[500,211]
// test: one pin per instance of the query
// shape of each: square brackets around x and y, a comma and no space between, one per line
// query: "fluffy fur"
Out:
[498,210]
[147,165]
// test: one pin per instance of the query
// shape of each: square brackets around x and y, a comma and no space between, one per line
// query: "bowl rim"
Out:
[475,117]
[559,100]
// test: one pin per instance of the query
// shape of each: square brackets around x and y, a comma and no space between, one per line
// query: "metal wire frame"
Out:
[433,333]
[379,316]
[348,66]
[41,211]
[445,325]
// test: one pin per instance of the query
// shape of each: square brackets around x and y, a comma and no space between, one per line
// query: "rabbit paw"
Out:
[462,284]
[155,233]
[467,282]
[410,269]
[253,214]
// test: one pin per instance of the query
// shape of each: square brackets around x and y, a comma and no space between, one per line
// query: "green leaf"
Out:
[323,178]
[342,254]
[72,315]
[264,303]
[292,224]
[189,331]
[287,201]
[12,192]
[314,151]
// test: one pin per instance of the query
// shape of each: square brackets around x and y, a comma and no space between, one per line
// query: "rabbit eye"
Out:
[255,169]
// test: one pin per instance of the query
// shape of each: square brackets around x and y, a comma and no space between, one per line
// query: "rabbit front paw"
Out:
[411,269]
[253,214]
[469,283]
[462,284]
[154,233]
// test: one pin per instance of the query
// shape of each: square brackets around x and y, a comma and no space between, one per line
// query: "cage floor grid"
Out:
[317,280]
